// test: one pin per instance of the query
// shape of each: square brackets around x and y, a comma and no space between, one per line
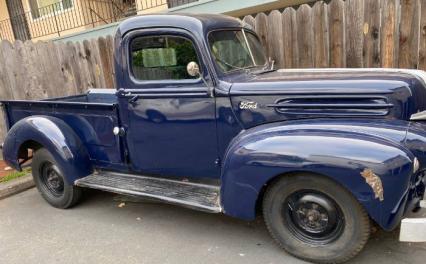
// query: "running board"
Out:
[194,195]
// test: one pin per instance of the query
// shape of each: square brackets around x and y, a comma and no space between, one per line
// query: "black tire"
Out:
[51,183]
[315,219]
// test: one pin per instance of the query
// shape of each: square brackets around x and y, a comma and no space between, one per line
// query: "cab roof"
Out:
[200,23]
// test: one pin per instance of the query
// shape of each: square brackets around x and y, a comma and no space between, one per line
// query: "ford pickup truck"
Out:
[200,118]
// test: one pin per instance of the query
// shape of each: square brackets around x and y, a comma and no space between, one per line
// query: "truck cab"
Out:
[173,112]
[201,118]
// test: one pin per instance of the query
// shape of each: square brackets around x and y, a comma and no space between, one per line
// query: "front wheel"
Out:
[51,182]
[315,219]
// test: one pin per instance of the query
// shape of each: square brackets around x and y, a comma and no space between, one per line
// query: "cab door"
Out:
[169,115]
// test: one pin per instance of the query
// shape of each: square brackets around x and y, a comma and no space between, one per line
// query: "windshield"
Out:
[236,50]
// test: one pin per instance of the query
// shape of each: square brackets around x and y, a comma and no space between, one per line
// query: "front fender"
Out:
[341,151]
[54,135]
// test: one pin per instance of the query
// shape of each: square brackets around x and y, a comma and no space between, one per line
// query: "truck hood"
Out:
[331,93]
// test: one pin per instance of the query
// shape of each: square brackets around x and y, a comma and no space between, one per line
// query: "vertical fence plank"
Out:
[5,84]
[5,87]
[409,30]
[261,27]
[354,32]
[275,38]
[336,15]
[305,36]
[75,72]
[422,36]
[105,60]
[371,30]
[86,79]
[9,59]
[51,61]
[35,72]
[110,46]
[22,91]
[321,45]
[90,64]
[48,67]
[389,34]
[100,79]
[66,70]
[290,46]
[249,20]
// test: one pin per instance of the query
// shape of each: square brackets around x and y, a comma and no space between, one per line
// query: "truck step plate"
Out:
[195,195]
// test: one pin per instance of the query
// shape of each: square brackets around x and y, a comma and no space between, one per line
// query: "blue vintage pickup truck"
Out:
[201,119]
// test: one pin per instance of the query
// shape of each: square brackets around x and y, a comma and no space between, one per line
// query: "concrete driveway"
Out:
[99,231]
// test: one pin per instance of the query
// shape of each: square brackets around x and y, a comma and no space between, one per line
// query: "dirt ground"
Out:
[4,169]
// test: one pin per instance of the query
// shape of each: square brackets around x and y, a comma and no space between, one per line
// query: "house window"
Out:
[41,8]
[161,58]
[176,3]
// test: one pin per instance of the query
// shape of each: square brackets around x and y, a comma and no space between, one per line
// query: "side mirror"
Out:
[193,69]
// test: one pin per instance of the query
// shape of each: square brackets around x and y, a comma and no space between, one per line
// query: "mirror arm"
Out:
[209,87]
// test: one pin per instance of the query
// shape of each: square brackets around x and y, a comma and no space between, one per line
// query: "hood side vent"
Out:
[333,105]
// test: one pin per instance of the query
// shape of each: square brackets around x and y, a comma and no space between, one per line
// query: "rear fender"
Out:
[54,135]
[348,154]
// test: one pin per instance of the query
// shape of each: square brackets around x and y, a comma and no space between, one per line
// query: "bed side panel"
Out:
[93,123]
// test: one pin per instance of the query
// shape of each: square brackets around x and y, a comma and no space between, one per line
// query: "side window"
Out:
[161,58]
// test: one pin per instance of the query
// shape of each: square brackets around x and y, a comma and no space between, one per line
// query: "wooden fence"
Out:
[351,33]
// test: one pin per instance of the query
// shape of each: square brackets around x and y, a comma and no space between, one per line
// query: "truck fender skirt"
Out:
[376,170]
[54,135]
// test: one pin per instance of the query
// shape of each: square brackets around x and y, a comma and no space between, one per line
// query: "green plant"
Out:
[15,174]
[138,58]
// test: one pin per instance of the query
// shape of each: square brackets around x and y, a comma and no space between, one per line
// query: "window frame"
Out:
[58,12]
[159,36]
[166,83]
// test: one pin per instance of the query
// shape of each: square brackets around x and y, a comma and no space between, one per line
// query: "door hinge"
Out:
[126,156]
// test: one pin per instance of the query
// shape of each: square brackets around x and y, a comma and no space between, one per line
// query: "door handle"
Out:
[134,99]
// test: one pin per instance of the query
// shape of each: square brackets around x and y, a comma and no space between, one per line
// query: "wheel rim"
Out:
[52,179]
[313,217]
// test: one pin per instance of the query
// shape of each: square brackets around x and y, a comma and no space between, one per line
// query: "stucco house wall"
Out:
[5,26]
[75,19]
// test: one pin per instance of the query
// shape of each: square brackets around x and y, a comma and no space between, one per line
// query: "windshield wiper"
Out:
[263,71]
[229,65]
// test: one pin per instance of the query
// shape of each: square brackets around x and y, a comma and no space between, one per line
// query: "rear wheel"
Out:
[51,183]
[315,219]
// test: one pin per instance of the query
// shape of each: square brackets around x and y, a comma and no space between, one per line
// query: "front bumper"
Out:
[414,229]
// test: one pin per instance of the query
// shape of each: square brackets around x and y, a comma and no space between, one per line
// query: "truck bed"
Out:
[92,116]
